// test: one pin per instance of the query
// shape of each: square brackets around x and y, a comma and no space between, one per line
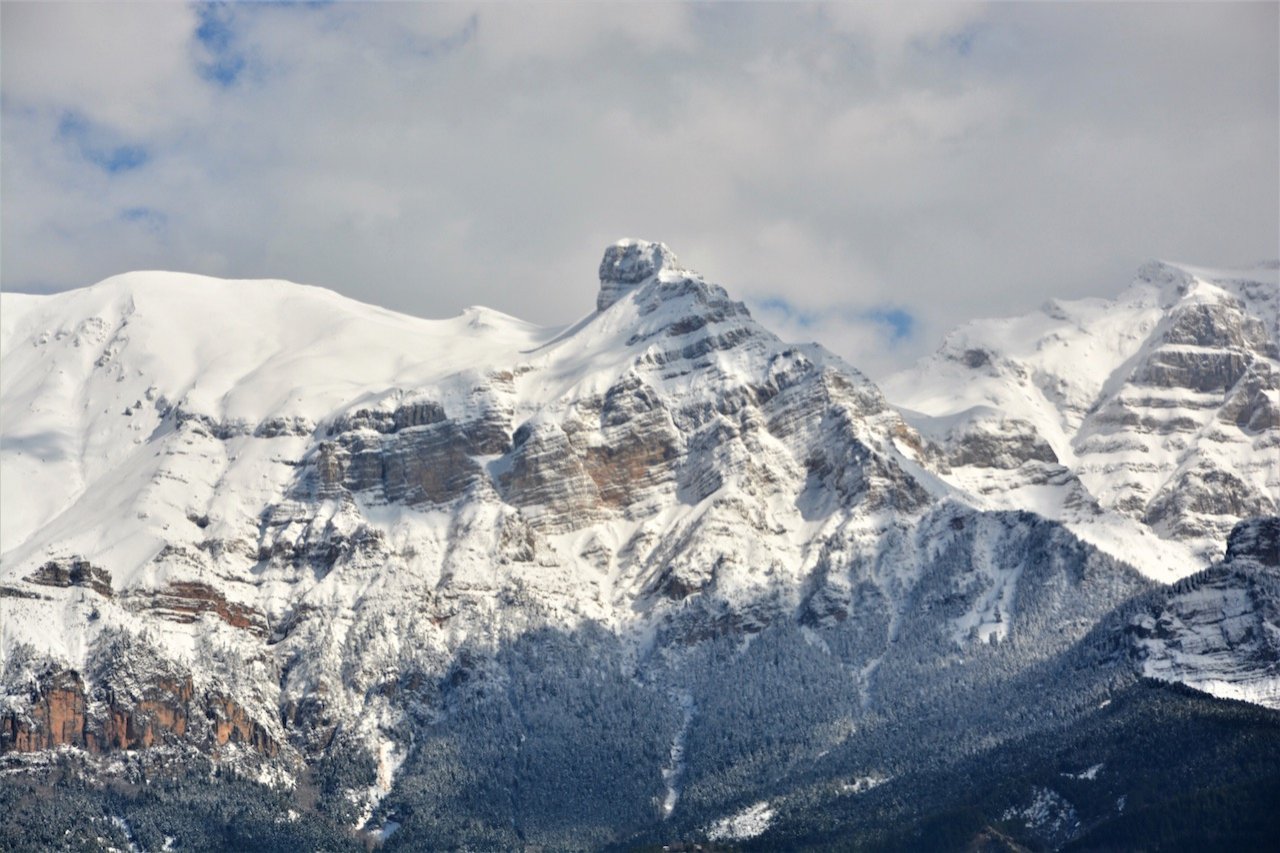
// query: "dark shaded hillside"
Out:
[1179,771]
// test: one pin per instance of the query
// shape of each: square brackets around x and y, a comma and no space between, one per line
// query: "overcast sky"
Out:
[866,176]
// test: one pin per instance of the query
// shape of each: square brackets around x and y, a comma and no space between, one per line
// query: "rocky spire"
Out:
[629,262]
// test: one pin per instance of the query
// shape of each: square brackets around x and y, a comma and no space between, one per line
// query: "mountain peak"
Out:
[1155,400]
[1256,539]
[627,263]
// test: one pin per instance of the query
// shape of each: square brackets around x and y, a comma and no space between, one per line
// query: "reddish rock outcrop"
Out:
[56,717]
[60,714]
[163,711]
[187,601]
[232,724]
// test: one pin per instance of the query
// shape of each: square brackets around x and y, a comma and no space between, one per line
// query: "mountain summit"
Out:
[629,262]
[1161,406]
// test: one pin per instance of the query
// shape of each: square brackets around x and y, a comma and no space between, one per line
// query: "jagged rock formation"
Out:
[1160,406]
[129,699]
[1219,630]
[67,573]
[627,263]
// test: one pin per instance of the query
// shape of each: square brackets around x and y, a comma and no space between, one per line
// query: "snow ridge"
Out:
[1149,423]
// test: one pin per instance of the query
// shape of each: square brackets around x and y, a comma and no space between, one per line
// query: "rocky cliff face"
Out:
[1219,630]
[1159,406]
[120,706]
[628,263]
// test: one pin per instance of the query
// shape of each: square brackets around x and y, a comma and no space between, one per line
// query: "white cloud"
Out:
[890,31]
[562,32]
[947,160]
[128,68]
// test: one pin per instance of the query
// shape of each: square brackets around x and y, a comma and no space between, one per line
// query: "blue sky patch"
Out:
[100,146]
[145,217]
[901,324]
[225,60]
[781,307]
[962,42]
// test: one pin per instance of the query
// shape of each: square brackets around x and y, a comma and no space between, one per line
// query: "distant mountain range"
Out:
[282,570]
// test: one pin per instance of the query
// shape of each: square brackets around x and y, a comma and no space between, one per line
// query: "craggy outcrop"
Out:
[188,601]
[62,711]
[626,264]
[73,572]
[1219,629]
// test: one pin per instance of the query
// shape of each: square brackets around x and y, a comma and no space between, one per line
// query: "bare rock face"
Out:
[61,710]
[1219,630]
[1005,444]
[56,717]
[420,465]
[1204,499]
[1194,371]
[414,454]
[187,601]
[73,572]
[548,479]
[1257,539]
[626,264]
[1253,405]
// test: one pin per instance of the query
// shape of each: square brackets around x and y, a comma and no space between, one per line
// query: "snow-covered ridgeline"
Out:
[1154,412]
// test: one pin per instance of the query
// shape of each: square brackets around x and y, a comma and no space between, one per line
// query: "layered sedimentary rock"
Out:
[1219,630]
[626,264]
[1160,405]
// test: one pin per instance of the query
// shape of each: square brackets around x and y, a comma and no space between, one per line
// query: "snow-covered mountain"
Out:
[1161,406]
[501,585]
[248,465]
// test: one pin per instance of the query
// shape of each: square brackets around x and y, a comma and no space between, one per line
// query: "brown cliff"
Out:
[61,713]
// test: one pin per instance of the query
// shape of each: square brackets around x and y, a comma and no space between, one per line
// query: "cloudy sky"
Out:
[862,175]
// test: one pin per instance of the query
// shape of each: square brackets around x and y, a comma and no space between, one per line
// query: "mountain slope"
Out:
[266,506]
[1219,630]
[1161,406]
